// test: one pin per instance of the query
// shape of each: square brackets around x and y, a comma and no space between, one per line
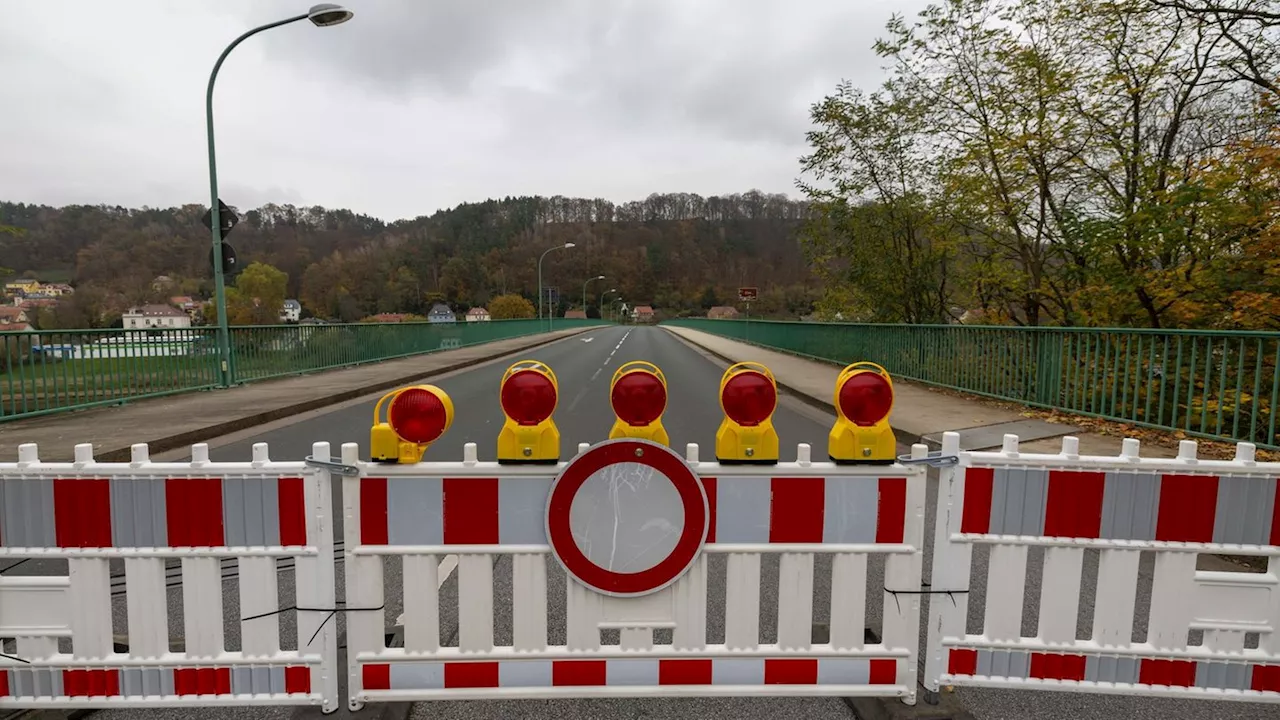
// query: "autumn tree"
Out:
[1064,157]
[256,297]
[872,239]
[510,307]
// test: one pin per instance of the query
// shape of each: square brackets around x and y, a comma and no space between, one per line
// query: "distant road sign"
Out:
[748,294]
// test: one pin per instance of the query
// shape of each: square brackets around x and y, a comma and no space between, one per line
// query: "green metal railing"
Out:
[1218,385]
[44,372]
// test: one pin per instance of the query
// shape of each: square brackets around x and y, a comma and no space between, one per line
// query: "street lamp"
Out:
[584,292]
[565,246]
[601,303]
[617,300]
[322,15]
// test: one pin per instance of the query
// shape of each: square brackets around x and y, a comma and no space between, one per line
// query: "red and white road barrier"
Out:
[154,517]
[633,524]
[1101,515]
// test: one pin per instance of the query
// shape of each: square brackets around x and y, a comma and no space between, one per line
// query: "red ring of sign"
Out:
[613,452]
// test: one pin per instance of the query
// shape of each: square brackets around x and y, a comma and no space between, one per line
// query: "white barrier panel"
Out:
[140,517]
[1109,510]
[480,513]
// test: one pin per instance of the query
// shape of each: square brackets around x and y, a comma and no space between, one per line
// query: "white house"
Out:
[291,311]
[148,317]
[478,314]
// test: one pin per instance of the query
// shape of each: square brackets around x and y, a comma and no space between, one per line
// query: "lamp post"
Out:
[584,292]
[601,303]
[322,15]
[620,301]
[565,246]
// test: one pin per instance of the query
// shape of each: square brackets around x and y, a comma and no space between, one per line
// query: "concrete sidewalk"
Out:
[919,413]
[175,421]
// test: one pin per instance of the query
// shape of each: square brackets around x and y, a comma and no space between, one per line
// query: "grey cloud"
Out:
[421,104]
[744,68]
[441,45]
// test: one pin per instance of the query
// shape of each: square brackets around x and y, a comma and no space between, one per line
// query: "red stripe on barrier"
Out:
[90,683]
[976,518]
[74,683]
[297,679]
[796,509]
[470,511]
[293,516]
[962,661]
[579,673]
[4,684]
[373,514]
[470,674]
[202,681]
[1275,517]
[891,511]
[1266,678]
[684,672]
[884,672]
[709,487]
[193,511]
[376,677]
[1074,504]
[82,512]
[1186,510]
[1051,666]
[791,671]
[1169,673]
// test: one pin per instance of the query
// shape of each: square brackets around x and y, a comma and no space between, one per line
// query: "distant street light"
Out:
[584,292]
[565,246]
[322,15]
[601,303]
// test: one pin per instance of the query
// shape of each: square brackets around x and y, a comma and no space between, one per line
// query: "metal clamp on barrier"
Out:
[333,467]
[933,459]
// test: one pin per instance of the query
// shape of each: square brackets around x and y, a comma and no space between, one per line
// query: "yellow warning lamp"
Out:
[748,397]
[529,395]
[416,417]
[863,399]
[638,394]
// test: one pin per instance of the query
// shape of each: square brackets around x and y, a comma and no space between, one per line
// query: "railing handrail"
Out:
[1018,328]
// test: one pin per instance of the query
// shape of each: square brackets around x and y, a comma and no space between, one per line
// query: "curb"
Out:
[902,436]
[171,442]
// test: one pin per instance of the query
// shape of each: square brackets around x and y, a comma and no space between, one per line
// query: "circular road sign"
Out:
[627,517]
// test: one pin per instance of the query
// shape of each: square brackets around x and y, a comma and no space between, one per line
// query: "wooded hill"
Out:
[677,251]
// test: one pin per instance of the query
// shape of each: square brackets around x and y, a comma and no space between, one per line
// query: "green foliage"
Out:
[510,307]
[1043,162]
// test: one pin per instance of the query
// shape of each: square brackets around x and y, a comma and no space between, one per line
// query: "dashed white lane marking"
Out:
[615,349]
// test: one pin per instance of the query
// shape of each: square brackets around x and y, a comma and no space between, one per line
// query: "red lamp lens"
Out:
[866,398]
[528,397]
[638,398]
[749,398]
[417,416]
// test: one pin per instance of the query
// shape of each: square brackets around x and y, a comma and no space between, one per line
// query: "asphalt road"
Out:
[584,366]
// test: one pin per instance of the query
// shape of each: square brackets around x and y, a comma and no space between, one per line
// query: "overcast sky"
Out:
[416,105]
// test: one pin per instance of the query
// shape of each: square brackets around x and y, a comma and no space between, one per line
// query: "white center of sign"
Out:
[626,517]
